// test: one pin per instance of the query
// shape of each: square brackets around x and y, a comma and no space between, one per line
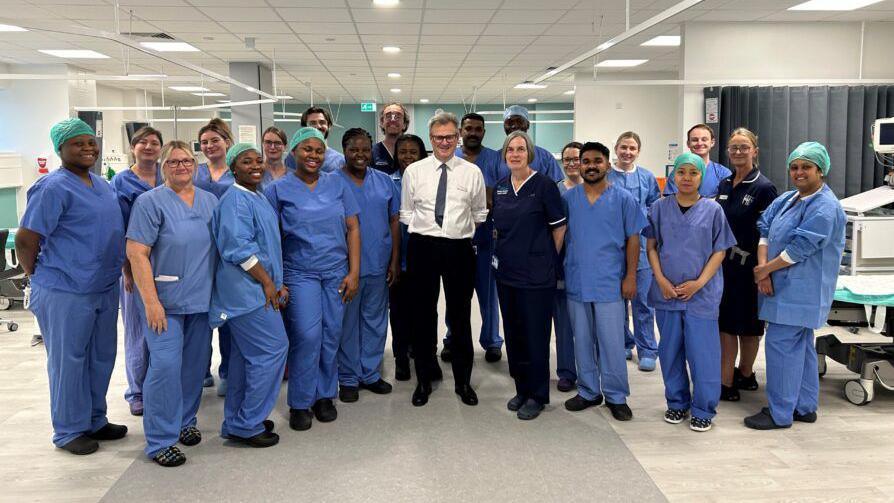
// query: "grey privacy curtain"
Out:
[839,117]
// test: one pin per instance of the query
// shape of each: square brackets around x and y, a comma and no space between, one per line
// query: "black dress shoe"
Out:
[300,419]
[264,439]
[620,411]
[348,394]
[578,403]
[446,354]
[81,446]
[493,355]
[402,369]
[324,410]
[420,394]
[380,387]
[109,432]
[466,394]
[515,403]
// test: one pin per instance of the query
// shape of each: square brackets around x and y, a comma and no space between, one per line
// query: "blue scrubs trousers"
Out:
[565,366]
[643,334]
[257,361]
[792,379]
[363,333]
[599,349]
[136,353]
[686,339]
[80,334]
[314,318]
[172,390]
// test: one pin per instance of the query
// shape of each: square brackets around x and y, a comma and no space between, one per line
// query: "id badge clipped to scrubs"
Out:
[495,262]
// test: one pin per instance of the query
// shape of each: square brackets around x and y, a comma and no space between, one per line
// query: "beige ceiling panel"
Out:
[239,14]
[527,16]
[323,28]
[256,28]
[387,28]
[454,29]
[309,15]
[401,15]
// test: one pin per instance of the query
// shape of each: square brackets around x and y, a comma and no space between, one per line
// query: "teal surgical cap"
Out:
[237,149]
[304,134]
[68,129]
[692,159]
[516,110]
[813,152]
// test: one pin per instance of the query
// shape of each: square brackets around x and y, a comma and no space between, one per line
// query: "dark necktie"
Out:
[441,197]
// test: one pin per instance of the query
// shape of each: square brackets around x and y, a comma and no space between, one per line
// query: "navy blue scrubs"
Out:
[525,262]
[382,159]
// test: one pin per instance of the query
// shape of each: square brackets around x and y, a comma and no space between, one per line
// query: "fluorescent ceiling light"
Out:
[74,53]
[189,89]
[833,4]
[209,95]
[620,63]
[386,3]
[662,41]
[569,93]
[391,49]
[9,27]
[147,75]
[532,100]
[286,97]
[393,75]
[223,101]
[395,90]
[169,46]
[529,85]
[423,100]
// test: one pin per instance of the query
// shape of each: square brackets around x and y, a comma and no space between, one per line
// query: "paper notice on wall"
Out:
[248,134]
[711,111]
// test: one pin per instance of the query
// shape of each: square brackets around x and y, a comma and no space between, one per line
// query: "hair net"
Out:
[516,110]
[237,149]
[813,152]
[65,130]
[303,134]
[692,159]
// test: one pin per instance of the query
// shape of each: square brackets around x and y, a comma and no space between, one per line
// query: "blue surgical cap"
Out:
[237,149]
[65,130]
[516,110]
[813,152]
[304,134]
[693,160]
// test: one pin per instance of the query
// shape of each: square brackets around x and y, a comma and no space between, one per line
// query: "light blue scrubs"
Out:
[127,186]
[183,259]
[812,233]
[267,178]
[365,326]
[202,180]
[595,265]
[714,174]
[689,332]
[315,261]
[642,185]
[333,160]
[544,163]
[74,294]
[565,365]
[246,229]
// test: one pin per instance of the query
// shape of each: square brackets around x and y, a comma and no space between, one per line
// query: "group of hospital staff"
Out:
[297,255]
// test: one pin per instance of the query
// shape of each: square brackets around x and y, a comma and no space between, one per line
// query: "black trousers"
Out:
[429,260]
[527,318]
[400,314]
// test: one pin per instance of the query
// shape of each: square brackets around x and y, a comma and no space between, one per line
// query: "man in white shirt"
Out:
[443,199]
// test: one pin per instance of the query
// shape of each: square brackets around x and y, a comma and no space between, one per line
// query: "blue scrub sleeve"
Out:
[723,235]
[654,194]
[348,200]
[394,202]
[652,228]
[553,205]
[236,237]
[811,234]
[769,214]
[270,193]
[43,210]
[145,221]
[634,220]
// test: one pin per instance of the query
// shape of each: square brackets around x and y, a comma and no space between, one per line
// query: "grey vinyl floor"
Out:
[384,449]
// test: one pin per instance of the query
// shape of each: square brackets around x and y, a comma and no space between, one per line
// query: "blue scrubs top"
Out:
[596,243]
[525,253]
[685,243]
[643,186]
[128,186]
[312,222]
[382,160]
[81,233]
[203,180]
[714,173]
[378,200]
[488,161]
[544,163]
[183,254]
[268,179]
[812,233]
[333,160]
[244,225]
[396,177]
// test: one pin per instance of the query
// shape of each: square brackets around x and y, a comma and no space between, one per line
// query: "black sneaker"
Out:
[81,446]
[380,387]
[324,410]
[729,393]
[746,383]
[190,436]
[109,432]
[446,354]
[300,419]
[348,394]
[699,424]
[515,403]
[620,411]
[579,403]
[675,416]
[402,369]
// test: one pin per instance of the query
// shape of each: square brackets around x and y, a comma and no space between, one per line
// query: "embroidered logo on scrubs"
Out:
[502,191]
[747,199]
[223,316]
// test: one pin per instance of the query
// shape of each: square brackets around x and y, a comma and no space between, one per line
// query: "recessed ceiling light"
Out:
[223,101]
[395,90]
[423,100]
[147,75]
[532,100]
[74,53]
[391,49]
[662,41]
[833,4]
[169,46]
[209,94]
[620,63]
[530,85]
[569,92]
[386,3]
[189,89]
[393,75]
[9,27]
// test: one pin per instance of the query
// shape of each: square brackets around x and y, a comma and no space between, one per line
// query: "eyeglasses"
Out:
[274,144]
[570,160]
[739,148]
[186,163]
[393,115]
[443,139]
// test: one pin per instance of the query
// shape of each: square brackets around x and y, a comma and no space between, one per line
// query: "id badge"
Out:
[495,262]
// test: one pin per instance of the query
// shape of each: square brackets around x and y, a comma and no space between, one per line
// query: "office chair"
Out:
[11,284]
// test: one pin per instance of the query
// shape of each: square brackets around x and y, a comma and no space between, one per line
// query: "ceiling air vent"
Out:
[148,34]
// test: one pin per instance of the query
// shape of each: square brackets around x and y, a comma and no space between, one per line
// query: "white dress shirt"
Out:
[465,205]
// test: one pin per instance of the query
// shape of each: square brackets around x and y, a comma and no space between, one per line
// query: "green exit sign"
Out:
[368,107]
